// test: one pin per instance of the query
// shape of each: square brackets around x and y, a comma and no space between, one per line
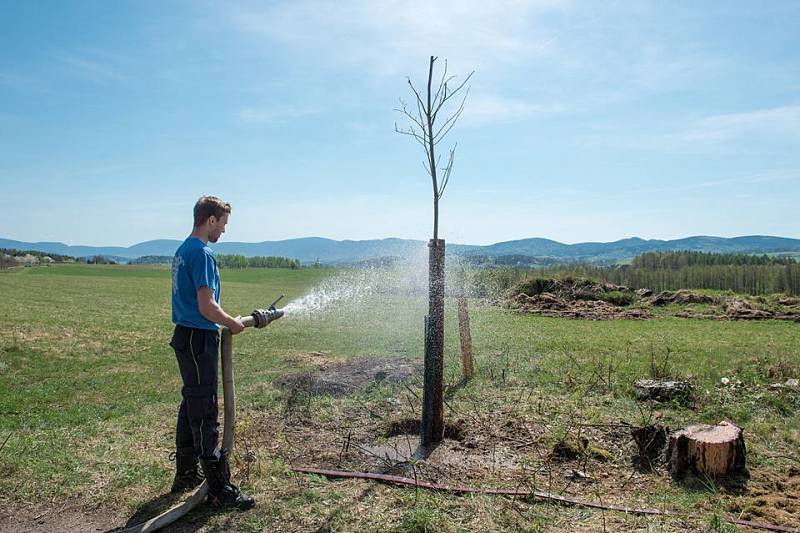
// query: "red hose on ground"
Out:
[564,500]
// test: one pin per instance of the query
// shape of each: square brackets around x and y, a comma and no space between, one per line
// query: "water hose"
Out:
[259,319]
[539,495]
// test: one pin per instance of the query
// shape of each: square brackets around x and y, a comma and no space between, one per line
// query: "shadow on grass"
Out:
[345,509]
[734,484]
[453,389]
[195,520]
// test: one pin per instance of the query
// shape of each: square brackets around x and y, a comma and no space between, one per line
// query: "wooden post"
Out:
[432,430]
[466,338]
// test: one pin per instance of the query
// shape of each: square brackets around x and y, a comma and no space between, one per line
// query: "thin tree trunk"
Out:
[432,157]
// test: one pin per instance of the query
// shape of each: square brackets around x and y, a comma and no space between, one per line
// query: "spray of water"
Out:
[350,288]
[378,310]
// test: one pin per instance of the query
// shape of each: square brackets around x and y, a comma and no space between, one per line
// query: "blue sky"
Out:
[586,121]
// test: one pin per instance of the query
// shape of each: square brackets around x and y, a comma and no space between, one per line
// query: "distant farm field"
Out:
[89,388]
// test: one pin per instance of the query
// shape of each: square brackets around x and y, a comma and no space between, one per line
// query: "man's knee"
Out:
[201,402]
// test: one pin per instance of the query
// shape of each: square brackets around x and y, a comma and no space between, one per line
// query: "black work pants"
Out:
[197,351]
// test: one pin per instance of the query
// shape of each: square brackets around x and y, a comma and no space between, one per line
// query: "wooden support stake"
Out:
[466,338]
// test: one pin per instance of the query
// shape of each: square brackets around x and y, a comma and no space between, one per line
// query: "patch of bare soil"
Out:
[497,446]
[772,497]
[348,376]
[67,517]
[480,449]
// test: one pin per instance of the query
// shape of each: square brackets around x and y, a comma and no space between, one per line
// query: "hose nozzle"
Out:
[262,317]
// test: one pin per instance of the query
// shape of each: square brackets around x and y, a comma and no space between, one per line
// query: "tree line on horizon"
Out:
[742,273]
[259,261]
[228,261]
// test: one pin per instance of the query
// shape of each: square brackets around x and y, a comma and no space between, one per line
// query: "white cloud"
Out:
[775,122]
[396,37]
[483,109]
[776,125]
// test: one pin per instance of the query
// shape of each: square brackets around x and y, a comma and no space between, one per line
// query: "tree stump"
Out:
[703,449]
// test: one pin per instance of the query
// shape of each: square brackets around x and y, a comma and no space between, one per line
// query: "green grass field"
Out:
[89,389]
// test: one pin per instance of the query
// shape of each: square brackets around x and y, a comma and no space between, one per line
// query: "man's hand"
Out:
[211,310]
[236,325]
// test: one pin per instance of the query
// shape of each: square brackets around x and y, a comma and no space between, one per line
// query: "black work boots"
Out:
[221,492]
[187,474]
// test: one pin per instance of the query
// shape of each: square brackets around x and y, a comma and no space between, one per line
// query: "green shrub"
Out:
[534,286]
[617,297]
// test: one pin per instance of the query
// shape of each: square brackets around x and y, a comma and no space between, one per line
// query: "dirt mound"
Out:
[575,298]
[738,308]
[568,288]
[743,308]
[348,376]
[550,305]
[586,299]
[682,296]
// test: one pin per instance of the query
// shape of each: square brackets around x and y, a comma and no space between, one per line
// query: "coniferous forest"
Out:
[749,274]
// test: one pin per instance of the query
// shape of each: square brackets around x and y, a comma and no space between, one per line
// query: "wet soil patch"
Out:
[337,379]
[410,426]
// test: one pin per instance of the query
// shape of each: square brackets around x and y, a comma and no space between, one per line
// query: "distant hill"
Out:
[328,251]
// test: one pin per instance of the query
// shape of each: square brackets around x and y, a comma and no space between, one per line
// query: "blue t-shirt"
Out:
[193,266]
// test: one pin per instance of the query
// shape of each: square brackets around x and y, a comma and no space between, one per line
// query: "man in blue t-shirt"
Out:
[196,312]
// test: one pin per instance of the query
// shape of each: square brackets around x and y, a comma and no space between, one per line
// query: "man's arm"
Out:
[212,311]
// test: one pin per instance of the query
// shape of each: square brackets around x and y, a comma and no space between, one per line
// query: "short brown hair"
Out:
[208,206]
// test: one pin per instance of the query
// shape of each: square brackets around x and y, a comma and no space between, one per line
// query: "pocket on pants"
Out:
[211,343]
[180,339]
[201,401]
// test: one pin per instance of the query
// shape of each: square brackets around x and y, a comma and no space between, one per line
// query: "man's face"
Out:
[217,227]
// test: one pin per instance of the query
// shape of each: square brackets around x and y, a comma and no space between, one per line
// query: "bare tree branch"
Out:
[404,110]
[428,132]
[452,93]
[412,133]
[447,170]
[450,122]
[425,165]
[420,103]
[442,82]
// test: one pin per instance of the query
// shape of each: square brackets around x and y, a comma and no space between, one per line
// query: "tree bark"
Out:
[704,449]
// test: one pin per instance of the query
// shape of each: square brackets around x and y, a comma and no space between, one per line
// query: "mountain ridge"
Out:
[331,251]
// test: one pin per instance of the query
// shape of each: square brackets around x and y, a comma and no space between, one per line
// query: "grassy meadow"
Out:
[89,389]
